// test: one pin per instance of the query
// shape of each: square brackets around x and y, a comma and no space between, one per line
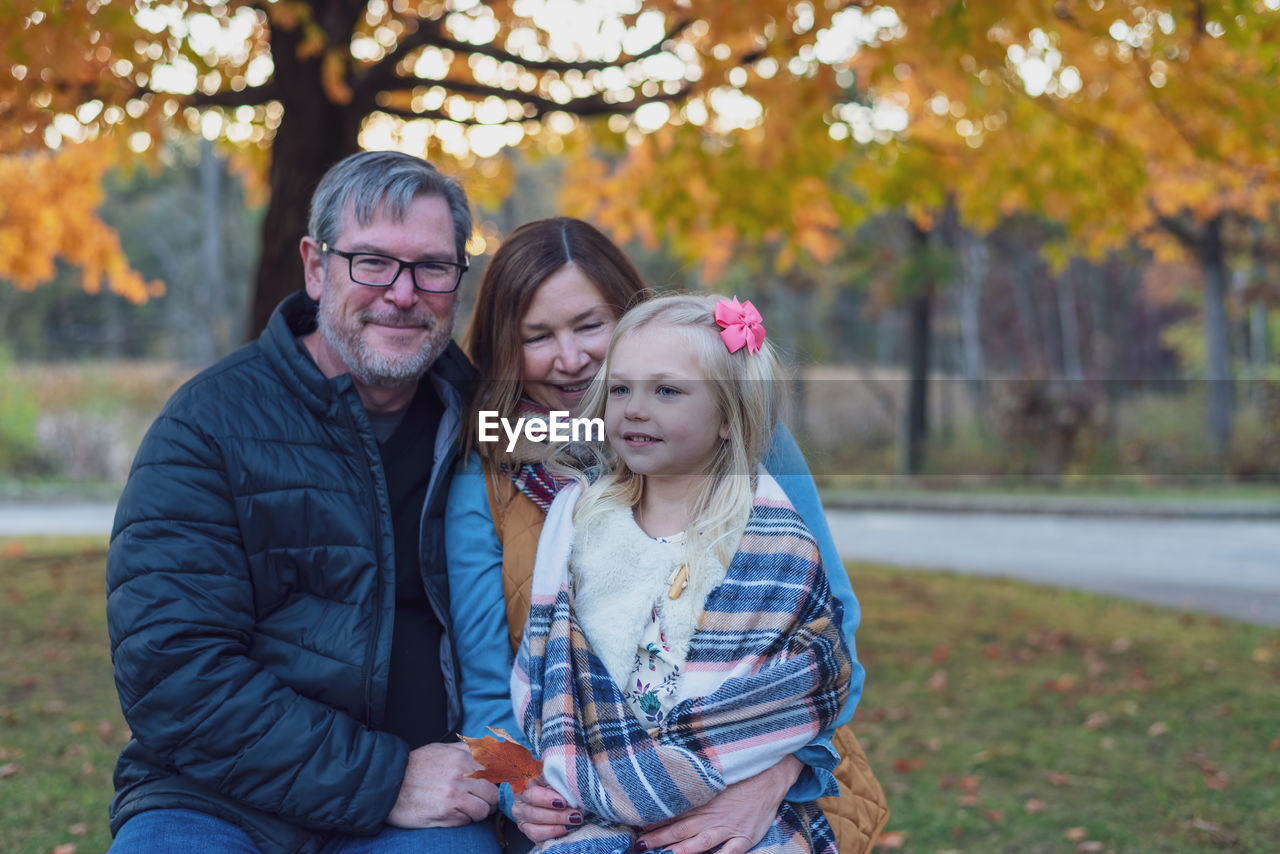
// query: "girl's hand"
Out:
[541,813]
[737,818]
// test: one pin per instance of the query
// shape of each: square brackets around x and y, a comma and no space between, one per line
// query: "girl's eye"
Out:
[667,391]
[618,390]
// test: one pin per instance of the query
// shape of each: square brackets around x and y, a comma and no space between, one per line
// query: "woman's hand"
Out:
[541,813]
[737,818]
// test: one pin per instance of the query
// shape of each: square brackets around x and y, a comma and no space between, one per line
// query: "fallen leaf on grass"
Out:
[1035,805]
[1062,685]
[993,816]
[68,848]
[506,761]
[1274,745]
[1075,834]
[1091,845]
[1157,728]
[9,769]
[938,682]
[1262,655]
[1216,834]
[80,829]
[15,550]
[892,840]
[1096,720]
[1057,779]
[1217,782]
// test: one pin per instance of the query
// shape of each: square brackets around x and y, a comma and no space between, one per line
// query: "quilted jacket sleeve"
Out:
[180,611]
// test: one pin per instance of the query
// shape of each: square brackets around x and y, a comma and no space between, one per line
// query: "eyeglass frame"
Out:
[412,265]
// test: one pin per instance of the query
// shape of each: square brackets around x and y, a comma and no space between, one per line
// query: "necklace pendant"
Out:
[680,582]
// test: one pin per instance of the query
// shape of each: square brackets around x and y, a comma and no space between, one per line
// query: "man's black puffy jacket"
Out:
[250,596]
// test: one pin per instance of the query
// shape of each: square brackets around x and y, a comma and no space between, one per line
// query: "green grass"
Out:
[1002,717]
[60,723]
[1137,729]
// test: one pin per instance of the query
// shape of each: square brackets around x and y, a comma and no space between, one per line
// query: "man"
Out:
[276,588]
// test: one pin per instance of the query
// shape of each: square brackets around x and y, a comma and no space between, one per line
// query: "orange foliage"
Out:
[49,211]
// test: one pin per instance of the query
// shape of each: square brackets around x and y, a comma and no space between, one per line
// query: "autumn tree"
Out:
[1114,120]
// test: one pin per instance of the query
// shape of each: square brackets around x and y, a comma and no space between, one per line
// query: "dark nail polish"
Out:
[558,804]
[575,818]
[640,845]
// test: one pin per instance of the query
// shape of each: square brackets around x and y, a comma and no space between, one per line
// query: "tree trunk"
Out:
[1216,331]
[1069,321]
[915,426]
[974,265]
[307,143]
[314,134]
[204,347]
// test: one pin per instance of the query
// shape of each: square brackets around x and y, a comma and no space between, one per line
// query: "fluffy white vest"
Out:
[618,572]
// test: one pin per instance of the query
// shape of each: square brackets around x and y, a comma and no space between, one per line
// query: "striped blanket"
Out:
[767,670]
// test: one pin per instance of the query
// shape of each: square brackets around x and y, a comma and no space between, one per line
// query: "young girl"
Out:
[682,635]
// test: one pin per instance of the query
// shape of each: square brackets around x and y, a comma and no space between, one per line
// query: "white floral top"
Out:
[651,688]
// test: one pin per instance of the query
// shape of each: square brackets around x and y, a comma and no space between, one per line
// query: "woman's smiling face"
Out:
[564,336]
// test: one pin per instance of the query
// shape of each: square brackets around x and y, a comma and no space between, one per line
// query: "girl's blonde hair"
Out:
[745,389]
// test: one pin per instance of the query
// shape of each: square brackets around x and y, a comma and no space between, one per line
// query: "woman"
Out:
[544,314]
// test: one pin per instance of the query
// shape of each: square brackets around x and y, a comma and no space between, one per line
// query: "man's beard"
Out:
[377,369]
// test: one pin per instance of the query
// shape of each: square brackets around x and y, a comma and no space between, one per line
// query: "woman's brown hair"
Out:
[528,257]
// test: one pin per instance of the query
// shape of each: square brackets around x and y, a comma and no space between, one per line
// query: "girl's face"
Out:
[564,336]
[660,416]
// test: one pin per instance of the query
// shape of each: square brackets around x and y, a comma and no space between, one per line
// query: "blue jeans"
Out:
[179,831]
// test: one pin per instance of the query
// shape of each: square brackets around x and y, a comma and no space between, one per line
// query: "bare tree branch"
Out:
[587,106]
[431,34]
[250,96]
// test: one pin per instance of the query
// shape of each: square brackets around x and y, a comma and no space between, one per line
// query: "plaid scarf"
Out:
[539,485]
[767,670]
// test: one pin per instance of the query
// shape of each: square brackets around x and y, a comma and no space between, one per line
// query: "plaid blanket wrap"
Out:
[767,669]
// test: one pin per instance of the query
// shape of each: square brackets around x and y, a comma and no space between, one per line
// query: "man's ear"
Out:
[313,258]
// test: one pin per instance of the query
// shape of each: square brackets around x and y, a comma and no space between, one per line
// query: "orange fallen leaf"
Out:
[506,761]
[1075,834]
[892,840]
[1035,805]
[68,848]
[9,769]
[15,550]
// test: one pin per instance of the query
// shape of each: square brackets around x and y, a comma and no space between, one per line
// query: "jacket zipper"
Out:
[370,490]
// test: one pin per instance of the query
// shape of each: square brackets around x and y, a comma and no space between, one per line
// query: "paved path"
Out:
[1221,566]
[41,519]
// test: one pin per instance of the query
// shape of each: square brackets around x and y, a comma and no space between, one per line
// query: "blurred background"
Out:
[1024,259]
[1004,244]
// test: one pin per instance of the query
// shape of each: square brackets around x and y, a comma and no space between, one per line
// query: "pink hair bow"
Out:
[743,325]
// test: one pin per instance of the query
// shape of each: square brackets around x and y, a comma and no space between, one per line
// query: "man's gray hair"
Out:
[388,182]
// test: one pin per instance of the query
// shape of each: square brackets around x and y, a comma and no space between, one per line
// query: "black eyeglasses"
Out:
[380,271]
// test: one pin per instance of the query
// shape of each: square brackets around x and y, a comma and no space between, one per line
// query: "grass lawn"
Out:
[1000,717]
